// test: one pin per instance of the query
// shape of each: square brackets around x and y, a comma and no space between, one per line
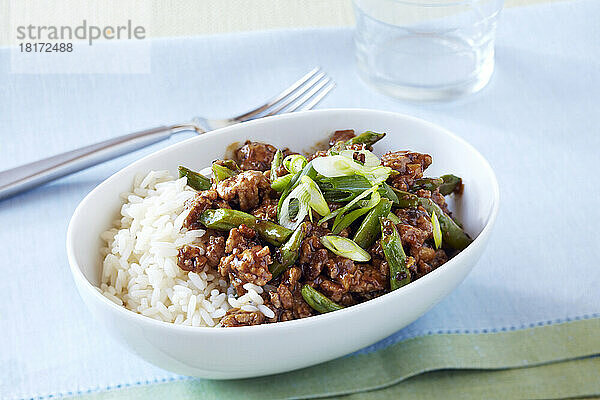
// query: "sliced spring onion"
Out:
[301,197]
[437,231]
[308,170]
[317,201]
[345,248]
[338,165]
[371,159]
[348,219]
[275,164]
[348,206]
[279,184]
[294,163]
[345,188]
[394,218]
[344,220]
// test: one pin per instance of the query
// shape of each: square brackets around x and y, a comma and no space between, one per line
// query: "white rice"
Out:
[140,269]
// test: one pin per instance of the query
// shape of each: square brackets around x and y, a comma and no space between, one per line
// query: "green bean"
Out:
[220,172]
[405,199]
[452,183]
[275,164]
[427,183]
[394,254]
[194,180]
[367,138]
[287,254]
[224,219]
[368,231]
[452,234]
[318,301]
[232,165]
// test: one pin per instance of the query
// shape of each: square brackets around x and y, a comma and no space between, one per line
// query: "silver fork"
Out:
[303,94]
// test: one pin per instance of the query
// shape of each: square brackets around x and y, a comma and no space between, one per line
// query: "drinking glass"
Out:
[429,50]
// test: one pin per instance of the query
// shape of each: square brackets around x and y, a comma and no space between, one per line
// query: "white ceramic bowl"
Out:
[225,353]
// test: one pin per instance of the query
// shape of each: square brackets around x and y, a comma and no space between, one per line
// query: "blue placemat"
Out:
[535,122]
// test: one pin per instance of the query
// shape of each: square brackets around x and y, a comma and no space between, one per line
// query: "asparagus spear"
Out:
[394,254]
[451,232]
[224,219]
[368,231]
[194,179]
[288,253]
[318,301]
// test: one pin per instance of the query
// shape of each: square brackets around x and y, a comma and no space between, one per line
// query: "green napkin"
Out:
[553,361]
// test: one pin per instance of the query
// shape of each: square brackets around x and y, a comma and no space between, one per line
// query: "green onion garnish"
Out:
[437,231]
[279,184]
[345,248]
[294,163]
[338,165]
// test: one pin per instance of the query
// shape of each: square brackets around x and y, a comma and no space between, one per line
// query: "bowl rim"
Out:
[84,283]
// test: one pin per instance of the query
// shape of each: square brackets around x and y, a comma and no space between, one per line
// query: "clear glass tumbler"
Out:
[428,50]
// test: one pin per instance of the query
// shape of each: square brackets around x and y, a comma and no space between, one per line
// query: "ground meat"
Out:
[240,239]
[244,189]
[440,258]
[342,270]
[429,260]
[267,210]
[360,157]
[376,251]
[332,290]
[237,317]
[409,165]
[412,236]
[341,136]
[440,200]
[417,217]
[378,259]
[191,258]
[320,153]
[313,257]
[255,156]
[367,279]
[287,302]
[202,201]
[250,265]
[281,171]
[425,254]
[215,249]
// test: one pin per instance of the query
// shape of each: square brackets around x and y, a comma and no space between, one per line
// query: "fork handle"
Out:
[30,175]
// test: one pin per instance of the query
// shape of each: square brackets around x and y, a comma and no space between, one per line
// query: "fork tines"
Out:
[303,94]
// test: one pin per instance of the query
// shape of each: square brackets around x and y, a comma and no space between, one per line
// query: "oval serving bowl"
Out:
[242,352]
